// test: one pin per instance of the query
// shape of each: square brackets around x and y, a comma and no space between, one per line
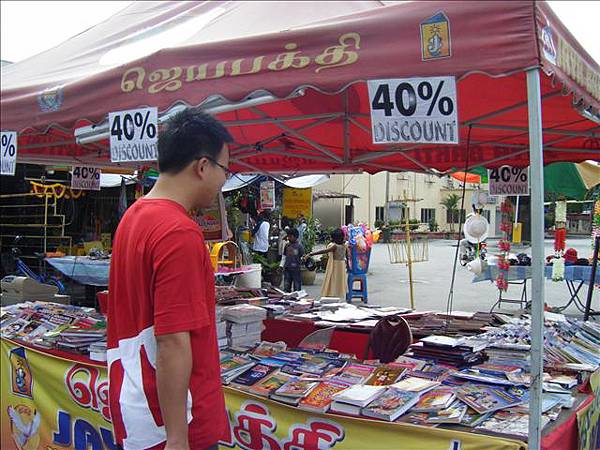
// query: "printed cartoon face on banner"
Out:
[21,380]
[435,37]
[25,426]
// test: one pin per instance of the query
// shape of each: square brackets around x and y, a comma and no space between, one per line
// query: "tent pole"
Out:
[536,163]
[346,129]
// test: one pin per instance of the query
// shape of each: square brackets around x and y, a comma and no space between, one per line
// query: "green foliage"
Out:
[433,226]
[450,202]
[309,238]
[379,223]
[265,262]
[413,224]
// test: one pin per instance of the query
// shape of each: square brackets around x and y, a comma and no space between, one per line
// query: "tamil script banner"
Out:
[50,403]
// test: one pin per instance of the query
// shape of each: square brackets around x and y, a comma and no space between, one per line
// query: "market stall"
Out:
[296,101]
[57,389]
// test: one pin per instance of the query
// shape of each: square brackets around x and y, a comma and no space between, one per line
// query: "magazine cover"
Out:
[385,375]
[321,396]
[391,404]
[435,399]
[296,388]
[270,384]
[254,375]
[453,414]
[485,399]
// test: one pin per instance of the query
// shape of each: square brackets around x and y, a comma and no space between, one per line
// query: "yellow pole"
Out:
[409,254]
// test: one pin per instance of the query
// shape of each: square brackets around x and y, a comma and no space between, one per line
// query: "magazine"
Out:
[385,375]
[270,384]
[452,414]
[391,404]
[435,400]
[253,375]
[484,399]
[296,388]
[321,396]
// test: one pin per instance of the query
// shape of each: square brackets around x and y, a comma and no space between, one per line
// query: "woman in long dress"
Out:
[336,280]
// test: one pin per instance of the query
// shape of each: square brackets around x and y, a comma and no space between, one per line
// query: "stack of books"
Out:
[447,350]
[52,325]
[244,324]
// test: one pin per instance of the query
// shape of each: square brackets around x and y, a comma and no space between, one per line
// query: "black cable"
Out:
[460,223]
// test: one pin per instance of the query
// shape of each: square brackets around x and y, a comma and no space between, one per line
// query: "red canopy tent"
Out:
[260,51]
[528,93]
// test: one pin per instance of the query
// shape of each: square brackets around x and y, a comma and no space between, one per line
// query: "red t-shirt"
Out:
[161,282]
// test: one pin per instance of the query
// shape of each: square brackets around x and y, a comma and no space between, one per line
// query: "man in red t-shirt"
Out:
[163,357]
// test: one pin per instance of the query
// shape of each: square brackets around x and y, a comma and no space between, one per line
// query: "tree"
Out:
[451,204]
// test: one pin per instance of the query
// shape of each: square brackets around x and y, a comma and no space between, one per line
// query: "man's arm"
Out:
[173,370]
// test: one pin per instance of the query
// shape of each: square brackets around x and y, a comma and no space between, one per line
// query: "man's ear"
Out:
[199,166]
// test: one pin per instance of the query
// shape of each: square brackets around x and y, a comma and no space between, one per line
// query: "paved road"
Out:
[388,283]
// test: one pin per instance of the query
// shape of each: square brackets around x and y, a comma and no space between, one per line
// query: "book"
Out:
[320,398]
[385,375]
[564,380]
[253,375]
[484,399]
[314,366]
[285,399]
[442,341]
[416,418]
[289,356]
[270,384]
[359,395]
[267,349]
[473,375]
[13,328]
[452,414]
[435,400]
[472,418]
[415,384]
[355,372]
[391,404]
[296,388]
[345,408]
[233,367]
[497,370]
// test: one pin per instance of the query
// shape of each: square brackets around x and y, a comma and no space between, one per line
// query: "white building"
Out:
[424,192]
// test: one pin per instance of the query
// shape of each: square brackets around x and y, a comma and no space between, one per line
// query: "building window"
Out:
[486,213]
[452,216]
[427,215]
[379,213]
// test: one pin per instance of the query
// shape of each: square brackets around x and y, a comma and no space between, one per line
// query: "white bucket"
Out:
[251,279]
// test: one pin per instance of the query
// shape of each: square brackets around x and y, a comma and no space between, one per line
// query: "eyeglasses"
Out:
[228,173]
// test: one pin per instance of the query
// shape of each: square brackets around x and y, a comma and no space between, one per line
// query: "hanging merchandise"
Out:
[560,238]
[56,190]
[596,222]
[504,245]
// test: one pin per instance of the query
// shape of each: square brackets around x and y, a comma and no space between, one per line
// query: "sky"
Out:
[23,34]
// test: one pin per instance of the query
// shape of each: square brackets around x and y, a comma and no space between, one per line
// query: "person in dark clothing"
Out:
[293,259]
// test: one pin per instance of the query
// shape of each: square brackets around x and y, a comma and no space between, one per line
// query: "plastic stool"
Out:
[357,293]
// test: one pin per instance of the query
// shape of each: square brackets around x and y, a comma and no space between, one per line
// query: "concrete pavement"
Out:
[388,283]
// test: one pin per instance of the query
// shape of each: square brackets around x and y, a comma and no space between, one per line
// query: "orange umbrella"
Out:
[466,177]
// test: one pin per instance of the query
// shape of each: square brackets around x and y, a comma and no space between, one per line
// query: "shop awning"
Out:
[212,53]
[571,180]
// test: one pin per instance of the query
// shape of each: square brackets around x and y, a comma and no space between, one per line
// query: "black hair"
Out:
[189,135]
[337,236]
[293,232]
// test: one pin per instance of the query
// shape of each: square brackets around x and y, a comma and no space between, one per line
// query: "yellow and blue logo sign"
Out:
[22,382]
[435,37]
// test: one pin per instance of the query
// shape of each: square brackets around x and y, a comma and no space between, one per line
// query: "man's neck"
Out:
[171,188]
